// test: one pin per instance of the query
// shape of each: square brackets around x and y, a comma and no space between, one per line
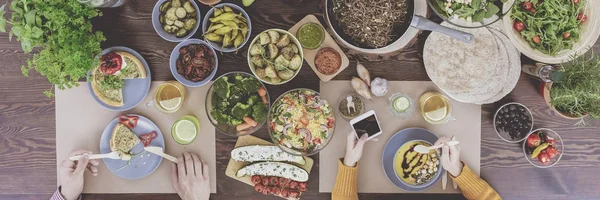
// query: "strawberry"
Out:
[533,140]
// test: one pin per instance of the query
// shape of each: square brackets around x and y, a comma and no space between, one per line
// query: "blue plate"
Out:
[175,55]
[134,91]
[392,147]
[142,164]
[237,9]
[171,37]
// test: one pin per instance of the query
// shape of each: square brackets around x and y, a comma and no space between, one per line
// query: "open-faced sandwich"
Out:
[107,79]
[123,140]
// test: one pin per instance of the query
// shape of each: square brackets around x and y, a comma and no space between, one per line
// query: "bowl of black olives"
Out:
[512,122]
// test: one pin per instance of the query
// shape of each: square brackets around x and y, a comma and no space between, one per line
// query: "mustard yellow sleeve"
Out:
[475,188]
[345,184]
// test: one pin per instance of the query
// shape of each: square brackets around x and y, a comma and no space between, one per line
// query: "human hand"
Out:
[71,174]
[450,157]
[190,177]
[354,149]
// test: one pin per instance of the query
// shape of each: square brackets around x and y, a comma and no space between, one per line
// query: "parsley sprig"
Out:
[61,34]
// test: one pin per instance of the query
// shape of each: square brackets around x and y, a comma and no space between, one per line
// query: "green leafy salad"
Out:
[239,99]
[470,10]
[549,26]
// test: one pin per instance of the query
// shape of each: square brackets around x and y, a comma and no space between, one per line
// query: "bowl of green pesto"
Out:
[311,35]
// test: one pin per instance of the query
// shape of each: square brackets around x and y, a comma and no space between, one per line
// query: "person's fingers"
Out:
[189,164]
[93,169]
[197,165]
[441,140]
[205,171]
[351,139]
[174,177]
[82,164]
[180,168]
[375,139]
[65,165]
[95,162]
[454,153]
[445,153]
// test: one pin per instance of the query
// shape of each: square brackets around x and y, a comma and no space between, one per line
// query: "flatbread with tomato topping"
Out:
[108,77]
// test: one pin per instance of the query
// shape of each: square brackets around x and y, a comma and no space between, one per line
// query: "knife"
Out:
[159,151]
[444,180]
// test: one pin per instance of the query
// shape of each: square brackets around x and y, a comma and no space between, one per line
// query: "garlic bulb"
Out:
[379,87]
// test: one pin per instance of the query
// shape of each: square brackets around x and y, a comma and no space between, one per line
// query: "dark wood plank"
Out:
[27,119]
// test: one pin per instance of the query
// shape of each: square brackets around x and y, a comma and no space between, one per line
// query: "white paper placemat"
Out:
[371,178]
[80,121]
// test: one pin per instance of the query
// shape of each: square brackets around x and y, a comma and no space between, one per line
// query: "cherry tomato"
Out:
[283,182]
[256,180]
[575,1]
[519,26]
[276,191]
[259,187]
[581,18]
[526,6]
[285,193]
[294,194]
[273,180]
[302,186]
[265,181]
[536,39]
[567,35]
[266,190]
[293,185]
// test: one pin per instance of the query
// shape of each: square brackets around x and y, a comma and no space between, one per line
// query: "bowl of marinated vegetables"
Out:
[553,31]
[543,148]
[237,103]
[226,27]
[176,20]
[193,62]
[470,14]
[301,122]
[275,56]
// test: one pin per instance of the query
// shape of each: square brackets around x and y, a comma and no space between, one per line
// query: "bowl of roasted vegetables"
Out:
[226,27]
[176,20]
[275,56]
[301,122]
[237,103]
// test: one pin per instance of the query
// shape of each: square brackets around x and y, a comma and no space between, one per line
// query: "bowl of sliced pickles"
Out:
[176,20]
[226,27]
[275,56]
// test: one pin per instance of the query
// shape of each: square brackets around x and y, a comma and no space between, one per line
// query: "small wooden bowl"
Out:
[545,89]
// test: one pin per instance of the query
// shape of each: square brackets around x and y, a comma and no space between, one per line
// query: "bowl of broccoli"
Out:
[237,103]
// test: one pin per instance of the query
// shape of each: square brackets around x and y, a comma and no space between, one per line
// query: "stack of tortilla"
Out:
[482,72]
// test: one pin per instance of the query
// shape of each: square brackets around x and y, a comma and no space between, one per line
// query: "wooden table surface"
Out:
[27,117]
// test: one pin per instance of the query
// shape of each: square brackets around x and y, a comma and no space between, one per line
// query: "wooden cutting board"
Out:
[249,140]
[309,54]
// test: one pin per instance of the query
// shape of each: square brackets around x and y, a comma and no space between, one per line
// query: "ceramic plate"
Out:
[134,91]
[175,55]
[141,165]
[392,147]
[237,10]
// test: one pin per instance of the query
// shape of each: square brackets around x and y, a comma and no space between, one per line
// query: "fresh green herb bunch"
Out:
[550,26]
[62,30]
[579,92]
[477,10]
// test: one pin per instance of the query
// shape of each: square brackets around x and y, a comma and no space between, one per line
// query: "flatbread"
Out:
[514,72]
[456,66]
[103,95]
[494,85]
